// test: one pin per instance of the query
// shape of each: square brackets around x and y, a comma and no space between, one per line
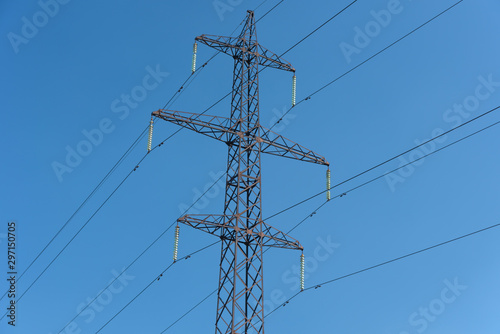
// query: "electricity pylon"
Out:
[243,233]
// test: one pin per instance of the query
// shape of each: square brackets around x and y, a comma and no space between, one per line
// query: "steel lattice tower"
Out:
[241,228]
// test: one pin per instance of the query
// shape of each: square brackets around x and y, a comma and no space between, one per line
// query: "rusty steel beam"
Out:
[240,295]
[219,128]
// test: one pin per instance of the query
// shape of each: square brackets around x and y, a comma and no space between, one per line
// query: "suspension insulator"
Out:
[195,50]
[150,137]
[302,265]
[328,175]
[176,242]
[294,89]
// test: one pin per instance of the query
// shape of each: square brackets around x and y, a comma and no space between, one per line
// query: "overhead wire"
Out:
[74,236]
[357,187]
[263,2]
[322,88]
[170,101]
[391,159]
[270,10]
[99,185]
[119,162]
[364,62]
[153,281]
[316,286]
[140,255]
[173,99]
[304,39]
[189,311]
[319,27]
[292,47]
[354,68]
[96,188]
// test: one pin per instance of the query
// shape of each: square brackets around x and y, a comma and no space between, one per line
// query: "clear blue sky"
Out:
[71,75]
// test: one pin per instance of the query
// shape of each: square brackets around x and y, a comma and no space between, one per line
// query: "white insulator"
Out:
[176,242]
[150,137]
[195,50]
[328,176]
[294,89]
[302,265]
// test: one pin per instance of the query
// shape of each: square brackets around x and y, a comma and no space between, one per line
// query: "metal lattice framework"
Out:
[241,228]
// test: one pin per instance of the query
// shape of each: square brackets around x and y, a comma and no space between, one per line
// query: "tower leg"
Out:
[240,304]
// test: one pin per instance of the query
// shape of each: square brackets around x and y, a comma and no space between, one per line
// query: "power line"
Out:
[189,311]
[180,92]
[386,263]
[213,56]
[96,188]
[142,253]
[393,158]
[355,188]
[383,175]
[325,87]
[270,10]
[110,172]
[129,150]
[154,280]
[292,47]
[351,70]
[263,2]
[171,101]
[75,235]
[319,27]
[285,52]
[92,216]
[95,212]
[366,60]
[322,88]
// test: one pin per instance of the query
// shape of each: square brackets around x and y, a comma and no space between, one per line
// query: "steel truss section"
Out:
[240,297]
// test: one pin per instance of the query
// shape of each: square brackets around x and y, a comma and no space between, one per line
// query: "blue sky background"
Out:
[64,79]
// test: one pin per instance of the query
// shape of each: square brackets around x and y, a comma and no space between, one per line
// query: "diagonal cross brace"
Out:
[226,227]
[234,46]
[220,128]
[243,233]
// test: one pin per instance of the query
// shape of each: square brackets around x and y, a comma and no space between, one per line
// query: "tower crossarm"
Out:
[206,223]
[220,128]
[227,45]
[212,126]
[222,225]
[275,144]
[242,231]
[270,59]
[278,239]
[235,47]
